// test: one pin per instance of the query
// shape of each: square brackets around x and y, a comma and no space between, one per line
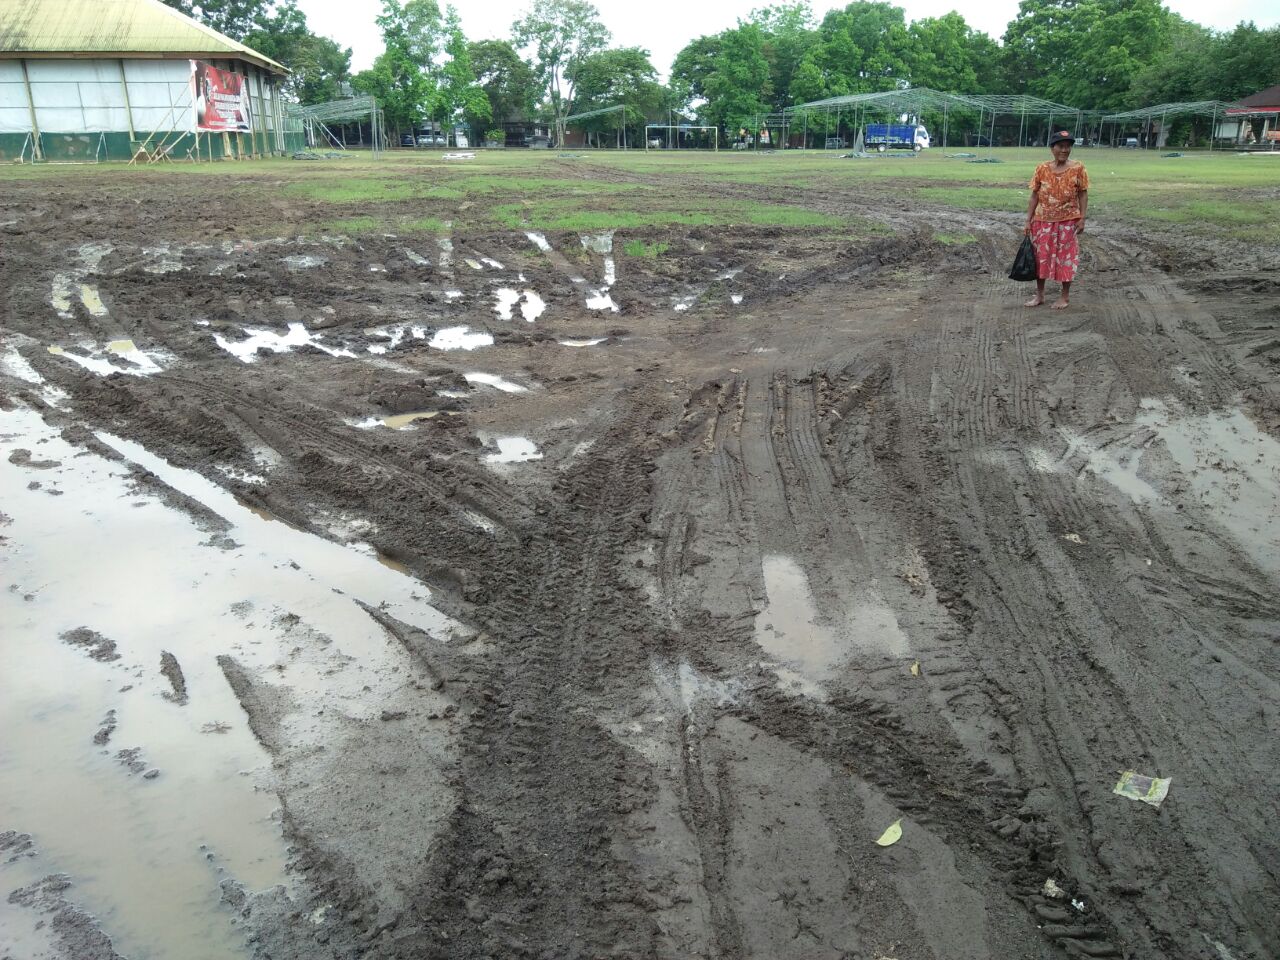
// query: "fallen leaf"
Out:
[915,669]
[892,835]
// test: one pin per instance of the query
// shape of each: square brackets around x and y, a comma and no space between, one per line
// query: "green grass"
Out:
[955,239]
[1217,194]
[651,251]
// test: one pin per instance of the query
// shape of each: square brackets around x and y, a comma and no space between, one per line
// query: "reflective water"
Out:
[513,450]
[491,380]
[146,855]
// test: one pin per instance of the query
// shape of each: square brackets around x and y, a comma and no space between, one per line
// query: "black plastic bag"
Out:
[1024,264]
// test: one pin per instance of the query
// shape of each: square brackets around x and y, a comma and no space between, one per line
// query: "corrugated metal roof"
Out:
[112,27]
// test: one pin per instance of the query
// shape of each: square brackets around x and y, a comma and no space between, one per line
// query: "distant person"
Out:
[1055,218]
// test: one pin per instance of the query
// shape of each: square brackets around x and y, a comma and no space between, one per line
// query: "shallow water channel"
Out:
[85,547]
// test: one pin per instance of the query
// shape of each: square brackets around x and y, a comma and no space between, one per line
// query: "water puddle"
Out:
[492,263]
[735,298]
[459,338]
[513,450]
[304,261]
[539,241]
[531,305]
[92,301]
[474,265]
[600,300]
[1117,464]
[490,380]
[788,628]
[16,365]
[141,364]
[452,294]
[1233,468]
[260,338]
[446,252]
[417,259]
[89,717]
[582,343]
[505,299]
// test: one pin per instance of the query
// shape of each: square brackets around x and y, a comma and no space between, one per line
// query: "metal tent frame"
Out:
[1200,108]
[916,99]
[315,119]
[620,108]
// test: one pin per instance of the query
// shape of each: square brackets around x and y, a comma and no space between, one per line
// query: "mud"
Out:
[628,633]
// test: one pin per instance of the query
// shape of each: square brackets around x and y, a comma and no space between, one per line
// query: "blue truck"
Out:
[896,136]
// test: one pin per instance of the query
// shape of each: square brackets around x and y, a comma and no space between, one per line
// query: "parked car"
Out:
[1131,143]
[406,140]
[834,143]
[424,139]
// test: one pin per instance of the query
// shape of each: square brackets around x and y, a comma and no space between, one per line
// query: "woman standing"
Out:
[1055,217]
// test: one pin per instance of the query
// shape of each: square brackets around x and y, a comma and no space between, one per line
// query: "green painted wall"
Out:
[101,147]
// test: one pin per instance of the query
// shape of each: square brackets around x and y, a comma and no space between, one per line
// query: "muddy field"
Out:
[493,593]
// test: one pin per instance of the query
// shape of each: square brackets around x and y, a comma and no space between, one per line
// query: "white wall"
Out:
[86,96]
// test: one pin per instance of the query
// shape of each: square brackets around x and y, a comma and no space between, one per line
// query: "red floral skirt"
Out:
[1057,250]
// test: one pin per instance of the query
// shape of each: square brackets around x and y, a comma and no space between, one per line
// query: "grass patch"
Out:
[424,225]
[955,239]
[651,251]
[352,190]
[567,213]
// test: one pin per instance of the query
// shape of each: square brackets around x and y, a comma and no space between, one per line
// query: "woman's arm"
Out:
[1031,209]
[1084,205]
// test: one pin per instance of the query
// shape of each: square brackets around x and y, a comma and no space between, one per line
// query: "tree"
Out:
[946,54]
[458,93]
[509,83]
[235,18]
[623,77]
[1180,71]
[863,48]
[737,88]
[1085,53]
[402,77]
[1245,61]
[788,34]
[317,65]
[561,33]
[690,69]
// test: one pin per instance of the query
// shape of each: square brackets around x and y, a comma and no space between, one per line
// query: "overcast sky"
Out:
[663,27]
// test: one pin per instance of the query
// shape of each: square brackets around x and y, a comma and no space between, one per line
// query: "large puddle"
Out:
[84,549]
[808,649]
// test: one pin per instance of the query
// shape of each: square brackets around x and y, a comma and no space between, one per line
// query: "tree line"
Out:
[560,60]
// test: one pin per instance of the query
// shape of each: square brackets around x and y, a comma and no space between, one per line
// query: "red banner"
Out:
[221,99]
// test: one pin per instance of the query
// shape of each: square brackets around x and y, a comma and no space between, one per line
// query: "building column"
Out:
[128,110]
[37,151]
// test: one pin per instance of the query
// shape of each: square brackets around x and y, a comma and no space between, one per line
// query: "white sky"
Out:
[664,27]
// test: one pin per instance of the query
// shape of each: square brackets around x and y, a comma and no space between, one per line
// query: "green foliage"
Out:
[509,83]
[562,33]
[318,65]
[788,33]
[401,76]
[458,93]
[235,18]
[690,69]
[863,48]
[945,53]
[737,87]
[620,76]
[1085,53]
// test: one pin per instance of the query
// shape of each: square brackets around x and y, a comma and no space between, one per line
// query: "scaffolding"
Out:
[912,100]
[620,109]
[917,100]
[315,120]
[1145,117]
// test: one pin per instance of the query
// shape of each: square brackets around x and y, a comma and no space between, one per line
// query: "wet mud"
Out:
[530,600]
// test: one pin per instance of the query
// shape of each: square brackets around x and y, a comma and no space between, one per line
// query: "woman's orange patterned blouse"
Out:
[1059,192]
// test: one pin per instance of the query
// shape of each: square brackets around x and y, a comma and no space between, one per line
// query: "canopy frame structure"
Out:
[1201,108]
[912,100]
[315,120]
[907,100]
[619,108]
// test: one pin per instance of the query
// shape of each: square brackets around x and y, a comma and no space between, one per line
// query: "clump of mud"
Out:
[93,643]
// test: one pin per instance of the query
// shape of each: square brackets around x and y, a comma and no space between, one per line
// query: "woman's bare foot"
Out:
[1061,304]
[1034,301]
